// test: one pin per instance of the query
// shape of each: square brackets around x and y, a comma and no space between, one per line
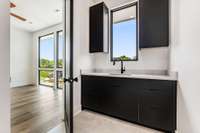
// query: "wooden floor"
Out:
[35,110]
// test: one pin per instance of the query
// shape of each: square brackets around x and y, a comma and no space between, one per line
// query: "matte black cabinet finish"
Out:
[154,23]
[106,95]
[97,23]
[158,104]
[143,101]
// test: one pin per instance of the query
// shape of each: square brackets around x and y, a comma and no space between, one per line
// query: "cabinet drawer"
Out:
[157,86]
[158,104]
[156,111]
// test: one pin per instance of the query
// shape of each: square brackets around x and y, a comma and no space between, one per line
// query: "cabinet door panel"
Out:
[113,96]
[155,111]
[96,28]
[157,104]
[122,99]
[91,88]
[154,23]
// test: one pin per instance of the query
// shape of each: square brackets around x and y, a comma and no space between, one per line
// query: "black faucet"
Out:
[122,66]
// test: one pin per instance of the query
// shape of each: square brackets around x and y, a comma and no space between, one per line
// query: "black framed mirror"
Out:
[124,33]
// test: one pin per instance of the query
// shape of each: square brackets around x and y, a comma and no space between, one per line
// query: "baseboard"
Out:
[77,110]
[23,85]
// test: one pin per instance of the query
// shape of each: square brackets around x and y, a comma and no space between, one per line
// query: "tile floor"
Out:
[90,122]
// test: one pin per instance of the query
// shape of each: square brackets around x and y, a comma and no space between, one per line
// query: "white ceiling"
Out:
[114,3]
[39,13]
[124,14]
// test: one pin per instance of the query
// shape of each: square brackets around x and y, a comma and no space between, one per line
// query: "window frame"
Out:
[54,69]
[57,50]
[111,30]
[39,45]
[57,79]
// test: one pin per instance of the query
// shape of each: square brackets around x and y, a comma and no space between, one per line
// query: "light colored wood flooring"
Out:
[35,109]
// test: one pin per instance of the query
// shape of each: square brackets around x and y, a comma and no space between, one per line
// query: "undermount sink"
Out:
[139,73]
[127,74]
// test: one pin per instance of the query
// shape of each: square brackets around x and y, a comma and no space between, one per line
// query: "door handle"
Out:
[71,80]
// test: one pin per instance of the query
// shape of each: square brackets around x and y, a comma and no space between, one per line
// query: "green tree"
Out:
[123,58]
[60,63]
[45,63]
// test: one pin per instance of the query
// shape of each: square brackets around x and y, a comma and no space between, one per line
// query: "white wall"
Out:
[82,58]
[21,57]
[150,58]
[185,59]
[4,67]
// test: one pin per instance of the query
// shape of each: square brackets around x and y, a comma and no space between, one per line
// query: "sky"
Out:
[47,48]
[124,39]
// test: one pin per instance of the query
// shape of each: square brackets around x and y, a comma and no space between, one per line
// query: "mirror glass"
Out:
[124,33]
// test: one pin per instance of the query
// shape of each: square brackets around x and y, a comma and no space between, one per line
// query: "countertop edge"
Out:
[172,77]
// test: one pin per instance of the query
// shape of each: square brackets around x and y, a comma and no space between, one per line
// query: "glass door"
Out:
[68,65]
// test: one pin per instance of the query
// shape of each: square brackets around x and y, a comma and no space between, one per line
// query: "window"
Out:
[46,77]
[124,33]
[60,49]
[46,51]
[46,60]
[50,71]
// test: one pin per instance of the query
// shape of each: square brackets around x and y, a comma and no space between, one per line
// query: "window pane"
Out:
[46,78]
[125,34]
[60,49]
[46,51]
[60,83]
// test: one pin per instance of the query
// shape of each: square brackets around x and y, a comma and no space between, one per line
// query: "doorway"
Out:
[41,65]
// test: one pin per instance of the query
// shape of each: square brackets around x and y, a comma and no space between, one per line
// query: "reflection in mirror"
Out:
[124,33]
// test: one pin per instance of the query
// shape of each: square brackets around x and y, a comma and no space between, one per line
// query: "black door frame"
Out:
[69,124]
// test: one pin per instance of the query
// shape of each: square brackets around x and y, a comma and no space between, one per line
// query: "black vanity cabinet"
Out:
[143,101]
[154,23]
[99,22]
[111,96]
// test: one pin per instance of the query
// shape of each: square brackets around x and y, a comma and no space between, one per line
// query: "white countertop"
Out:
[160,75]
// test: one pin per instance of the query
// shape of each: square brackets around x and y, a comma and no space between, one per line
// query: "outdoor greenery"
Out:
[60,63]
[47,77]
[123,58]
[45,63]
[46,74]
